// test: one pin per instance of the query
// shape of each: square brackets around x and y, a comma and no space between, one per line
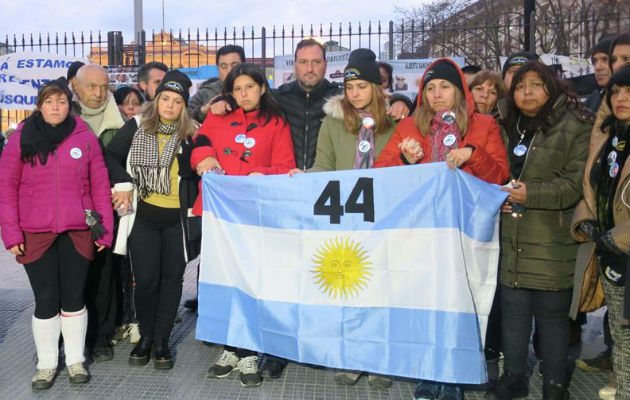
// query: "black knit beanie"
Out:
[619,78]
[177,82]
[73,69]
[122,92]
[602,47]
[362,65]
[443,69]
[519,59]
[61,83]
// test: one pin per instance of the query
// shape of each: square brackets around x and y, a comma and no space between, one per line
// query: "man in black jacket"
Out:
[602,74]
[303,101]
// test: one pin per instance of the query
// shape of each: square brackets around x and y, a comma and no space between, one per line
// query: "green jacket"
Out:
[335,145]
[537,251]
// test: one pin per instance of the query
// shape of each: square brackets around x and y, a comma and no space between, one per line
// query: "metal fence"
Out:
[481,42]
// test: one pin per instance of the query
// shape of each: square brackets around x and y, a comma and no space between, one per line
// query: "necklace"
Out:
[520,148]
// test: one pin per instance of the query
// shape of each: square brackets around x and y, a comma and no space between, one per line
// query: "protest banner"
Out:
[22,74]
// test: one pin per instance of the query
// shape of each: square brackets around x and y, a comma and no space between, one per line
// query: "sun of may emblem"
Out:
[341,268]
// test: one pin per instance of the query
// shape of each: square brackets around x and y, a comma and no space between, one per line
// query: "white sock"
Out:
[73,328]
[46,336]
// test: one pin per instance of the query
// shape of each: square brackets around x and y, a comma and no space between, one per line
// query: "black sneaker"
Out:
[191,304]
[451,392]
[272,368]
[427,390]
[511,387]
[141,352]
[601,362]
[227,363]
[553,391]
[102,353]
[249,371]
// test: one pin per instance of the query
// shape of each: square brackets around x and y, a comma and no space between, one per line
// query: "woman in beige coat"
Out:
[603,217]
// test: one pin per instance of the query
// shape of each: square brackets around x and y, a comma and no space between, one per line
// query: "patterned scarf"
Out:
[151,171]
[364,153]
[440,129]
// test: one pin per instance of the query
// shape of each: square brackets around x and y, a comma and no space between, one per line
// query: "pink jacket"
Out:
[53,197]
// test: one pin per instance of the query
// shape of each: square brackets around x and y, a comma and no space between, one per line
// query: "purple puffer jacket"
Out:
[53,197]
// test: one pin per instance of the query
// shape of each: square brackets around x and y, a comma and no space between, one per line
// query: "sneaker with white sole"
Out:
[249,371]
[134,333]
[227,363]
[43,379]
[77,373]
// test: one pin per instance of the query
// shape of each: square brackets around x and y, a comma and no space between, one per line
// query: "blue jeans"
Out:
[550,309]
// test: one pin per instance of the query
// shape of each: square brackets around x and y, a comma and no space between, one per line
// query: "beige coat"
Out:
[587,294]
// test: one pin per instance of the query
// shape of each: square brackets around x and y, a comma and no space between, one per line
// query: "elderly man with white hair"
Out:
[98,107]
[102,291]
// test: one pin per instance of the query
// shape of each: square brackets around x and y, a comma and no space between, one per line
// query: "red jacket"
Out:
[488,161]
[270,146]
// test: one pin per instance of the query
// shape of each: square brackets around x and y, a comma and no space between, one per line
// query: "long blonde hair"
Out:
[377,107]
[151,120]
[424,113]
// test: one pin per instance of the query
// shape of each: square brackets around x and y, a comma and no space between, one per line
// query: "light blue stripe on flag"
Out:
[390,341]
[428,197]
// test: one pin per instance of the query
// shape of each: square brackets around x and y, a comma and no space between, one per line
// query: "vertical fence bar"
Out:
[391,40]
[263,48]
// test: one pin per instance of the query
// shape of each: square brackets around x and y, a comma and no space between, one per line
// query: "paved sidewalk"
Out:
[117,380]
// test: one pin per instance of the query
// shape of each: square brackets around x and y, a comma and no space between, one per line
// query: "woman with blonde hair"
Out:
[145,166]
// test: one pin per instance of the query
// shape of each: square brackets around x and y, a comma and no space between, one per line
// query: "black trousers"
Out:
[156,251]
[58,279]
[102,298]
[550,309]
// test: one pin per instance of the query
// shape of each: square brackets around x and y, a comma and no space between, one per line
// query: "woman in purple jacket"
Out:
[55,206]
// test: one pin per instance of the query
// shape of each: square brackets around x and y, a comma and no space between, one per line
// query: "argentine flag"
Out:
[389,270]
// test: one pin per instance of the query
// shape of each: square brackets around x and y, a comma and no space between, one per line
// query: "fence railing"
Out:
[480,42]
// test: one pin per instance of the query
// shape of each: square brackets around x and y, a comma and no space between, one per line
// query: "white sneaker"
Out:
[43,379]
[227,363]
[78,373]
[134,333]
[249,371]
[607,393]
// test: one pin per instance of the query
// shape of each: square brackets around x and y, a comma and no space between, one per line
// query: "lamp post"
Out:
[140,53]
[530,25]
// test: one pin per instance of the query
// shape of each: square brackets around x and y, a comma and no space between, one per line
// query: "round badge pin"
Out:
[249,142]
[368,122]
[612,157]
[449,140]
[520,150]
[614,170]
[449,117]
[241,138]
[615,141]
[76,153]
[364,146]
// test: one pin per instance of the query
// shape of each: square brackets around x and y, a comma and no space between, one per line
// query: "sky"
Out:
[36,16]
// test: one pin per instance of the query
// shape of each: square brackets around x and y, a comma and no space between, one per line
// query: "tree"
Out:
[484,30]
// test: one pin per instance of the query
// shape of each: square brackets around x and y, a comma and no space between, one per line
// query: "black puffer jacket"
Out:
[305,114]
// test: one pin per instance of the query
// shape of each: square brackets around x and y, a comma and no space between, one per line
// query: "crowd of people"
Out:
[100,201]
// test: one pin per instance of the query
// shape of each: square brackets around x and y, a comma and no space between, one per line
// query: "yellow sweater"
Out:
[172,199]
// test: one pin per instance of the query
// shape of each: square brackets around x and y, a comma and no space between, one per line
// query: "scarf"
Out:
[93,116]
[151,171]
[364,153]
[39,138]
[440,129]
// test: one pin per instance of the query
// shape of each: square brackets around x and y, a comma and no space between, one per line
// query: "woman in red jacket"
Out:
[445,127]
[254,139]
[53,186]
